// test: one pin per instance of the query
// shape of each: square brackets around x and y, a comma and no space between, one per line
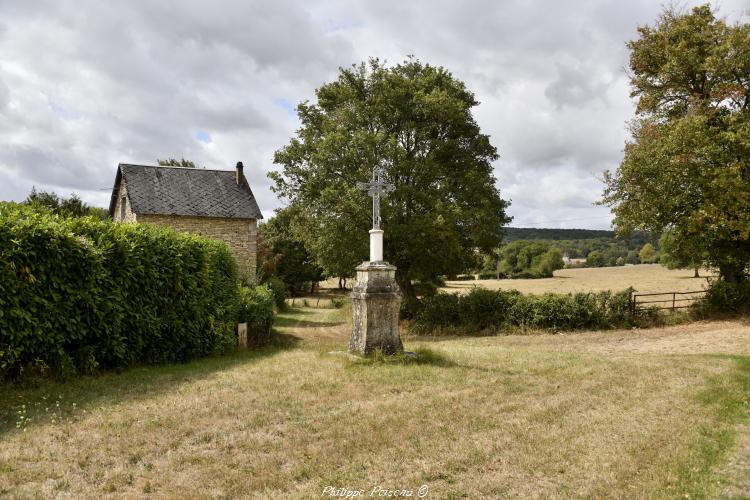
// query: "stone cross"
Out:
[376,298]
[376,188]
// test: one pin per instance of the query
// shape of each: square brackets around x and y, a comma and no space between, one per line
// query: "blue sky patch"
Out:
[203,136]
[64,112]
[287,105]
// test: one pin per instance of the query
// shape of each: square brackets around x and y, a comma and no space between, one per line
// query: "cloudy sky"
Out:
[85,85]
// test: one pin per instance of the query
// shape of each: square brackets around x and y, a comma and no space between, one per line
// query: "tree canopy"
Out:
[71,206]
[172,162]
[686,169]
[415,121]
[282,255]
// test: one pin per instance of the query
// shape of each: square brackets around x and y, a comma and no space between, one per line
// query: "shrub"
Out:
[487,275]
[436,312]
[76,294]
[410,307]
[465,277]
[483,309]
[726,297]
[278,288]
[255,307]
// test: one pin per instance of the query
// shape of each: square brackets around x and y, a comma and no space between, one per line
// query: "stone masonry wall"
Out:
[239,234]
[129,215]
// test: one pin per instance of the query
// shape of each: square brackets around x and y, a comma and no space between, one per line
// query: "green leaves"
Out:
[255,307]
[109,295]
[415,119]
[687,170]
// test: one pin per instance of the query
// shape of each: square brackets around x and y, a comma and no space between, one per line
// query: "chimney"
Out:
[240,174]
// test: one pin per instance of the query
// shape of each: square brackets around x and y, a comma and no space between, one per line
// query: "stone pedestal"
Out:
[376,300]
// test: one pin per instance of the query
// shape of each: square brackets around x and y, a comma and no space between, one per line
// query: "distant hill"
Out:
[532,233]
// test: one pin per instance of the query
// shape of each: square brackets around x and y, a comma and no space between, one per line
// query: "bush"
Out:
[483,309]
[487,276]
[465,277]
[436,312]
[726,297]
[278,288]
[255,307]
[77,294]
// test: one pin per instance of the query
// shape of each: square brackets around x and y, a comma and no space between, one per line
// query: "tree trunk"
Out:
[696,275]
[340,287]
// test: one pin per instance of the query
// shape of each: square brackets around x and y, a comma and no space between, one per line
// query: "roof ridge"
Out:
[171,166]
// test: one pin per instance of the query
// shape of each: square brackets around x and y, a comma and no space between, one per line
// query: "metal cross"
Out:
[375,188]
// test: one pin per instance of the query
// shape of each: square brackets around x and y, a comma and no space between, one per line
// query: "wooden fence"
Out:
[670,301]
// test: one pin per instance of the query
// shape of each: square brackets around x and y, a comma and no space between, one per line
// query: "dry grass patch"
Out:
[472,418]
[646,278]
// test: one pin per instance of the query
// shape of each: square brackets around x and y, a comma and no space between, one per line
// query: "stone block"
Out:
[242,335]
[376,301]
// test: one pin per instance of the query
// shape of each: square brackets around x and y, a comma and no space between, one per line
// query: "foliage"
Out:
[597,250]
[648,254]
[78,293]
[533,233]
[72,206]
[482,310]
[686,168]
[278,288]
[286,256]
[415,121]
[673,256]
[532,259]
[255,307]
[726,297]
[172,162]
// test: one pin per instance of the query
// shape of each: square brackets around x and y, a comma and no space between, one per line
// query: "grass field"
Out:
[620,414]
[648,278]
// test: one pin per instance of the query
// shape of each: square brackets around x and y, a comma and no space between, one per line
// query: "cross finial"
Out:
[375,188]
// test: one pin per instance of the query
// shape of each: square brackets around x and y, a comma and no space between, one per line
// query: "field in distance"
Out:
[645,278]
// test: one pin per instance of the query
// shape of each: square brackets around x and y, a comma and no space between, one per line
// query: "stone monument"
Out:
[376,298]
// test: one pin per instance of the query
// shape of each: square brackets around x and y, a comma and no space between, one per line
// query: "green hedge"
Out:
[77,294]
[255,307]
[278,288]
[481,310]
[726,297]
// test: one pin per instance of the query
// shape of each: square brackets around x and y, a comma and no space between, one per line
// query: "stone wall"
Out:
[129,216]
[239,234]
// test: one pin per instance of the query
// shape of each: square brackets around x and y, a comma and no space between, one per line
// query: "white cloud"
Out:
[85,85]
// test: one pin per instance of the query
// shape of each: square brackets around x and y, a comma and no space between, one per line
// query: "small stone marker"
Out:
[376,298]
[242,335]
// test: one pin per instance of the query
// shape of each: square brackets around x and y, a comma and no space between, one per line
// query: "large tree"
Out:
[281,254]
[686,170]
[416,121]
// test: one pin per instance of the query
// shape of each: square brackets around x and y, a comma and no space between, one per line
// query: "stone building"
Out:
[218,204]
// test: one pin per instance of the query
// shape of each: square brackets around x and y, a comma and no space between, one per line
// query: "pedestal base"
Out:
[376,300]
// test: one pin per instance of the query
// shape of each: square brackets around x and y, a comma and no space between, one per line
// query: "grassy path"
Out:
[615,414]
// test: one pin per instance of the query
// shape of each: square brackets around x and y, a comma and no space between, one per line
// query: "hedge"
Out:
[726,298]
[481,310]
[255,307]
[77,294]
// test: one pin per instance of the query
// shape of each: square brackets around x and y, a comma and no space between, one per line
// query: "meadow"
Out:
[645,278]
[621,414]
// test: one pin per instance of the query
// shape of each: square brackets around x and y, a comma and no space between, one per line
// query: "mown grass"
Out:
[466,419]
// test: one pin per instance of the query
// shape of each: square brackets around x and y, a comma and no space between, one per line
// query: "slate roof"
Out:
[185,191]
